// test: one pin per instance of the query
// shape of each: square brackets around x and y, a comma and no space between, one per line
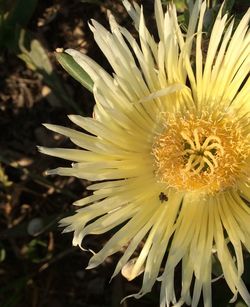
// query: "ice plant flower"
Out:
[169,147]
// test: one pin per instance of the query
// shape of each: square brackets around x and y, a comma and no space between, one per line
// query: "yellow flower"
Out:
[169,146]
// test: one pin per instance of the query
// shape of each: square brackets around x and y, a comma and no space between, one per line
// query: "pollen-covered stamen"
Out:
[188,139]
[207,153]
[201,156]
[196,139]
[216,142]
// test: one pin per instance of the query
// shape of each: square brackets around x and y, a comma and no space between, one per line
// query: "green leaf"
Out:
[229,4]
[38,251]
[75,70]
[36,58]
[12,20]
[21,12]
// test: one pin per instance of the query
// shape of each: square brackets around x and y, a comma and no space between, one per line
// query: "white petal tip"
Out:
[91,266]
[64,230]
[49,126]
[75,242]
[73,117]
[43,150]
[40,148]
[71,52]
[51,172]
[77,203]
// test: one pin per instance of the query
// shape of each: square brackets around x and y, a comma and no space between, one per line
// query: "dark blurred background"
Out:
[38,265]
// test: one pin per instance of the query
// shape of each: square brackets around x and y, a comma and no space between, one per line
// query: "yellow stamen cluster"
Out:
[206,153]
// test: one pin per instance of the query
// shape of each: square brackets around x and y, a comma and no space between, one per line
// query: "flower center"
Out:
[208,153]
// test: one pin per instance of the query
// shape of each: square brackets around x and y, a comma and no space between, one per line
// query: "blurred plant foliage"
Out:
[16,39]
[4,180]
[185,6]
[37,251]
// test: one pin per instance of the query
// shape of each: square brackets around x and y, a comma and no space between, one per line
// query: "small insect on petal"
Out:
[163,197]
